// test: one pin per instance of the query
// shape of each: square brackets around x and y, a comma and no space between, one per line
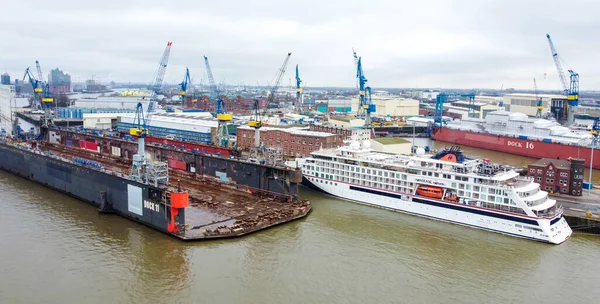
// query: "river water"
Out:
[56,249]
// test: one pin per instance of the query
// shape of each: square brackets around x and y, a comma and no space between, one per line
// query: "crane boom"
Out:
[158,80]
[277,83]
[561,72]
[256,120]
[39,71]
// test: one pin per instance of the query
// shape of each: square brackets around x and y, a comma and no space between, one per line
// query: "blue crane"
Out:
[572,89]
[365,106]
[140,130]
[220,111]
[439,106]
[36,85]
[298,91]
[185,82]
[159,76]
[540,105]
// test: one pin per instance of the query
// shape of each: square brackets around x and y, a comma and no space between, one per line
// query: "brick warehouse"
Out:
[558,176]
[293,142]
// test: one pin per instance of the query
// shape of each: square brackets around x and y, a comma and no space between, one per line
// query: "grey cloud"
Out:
[404,44]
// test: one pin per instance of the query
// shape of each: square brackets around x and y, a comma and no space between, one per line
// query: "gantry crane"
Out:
[572,89]
[298,104]
[256,119]
[540,105]
[441,98]
[221,114]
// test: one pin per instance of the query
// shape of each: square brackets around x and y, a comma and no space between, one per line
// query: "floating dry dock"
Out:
[190,206]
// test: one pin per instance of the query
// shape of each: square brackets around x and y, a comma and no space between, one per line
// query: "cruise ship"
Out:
[446,186]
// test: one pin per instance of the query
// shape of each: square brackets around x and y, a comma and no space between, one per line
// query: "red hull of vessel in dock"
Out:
[523,147]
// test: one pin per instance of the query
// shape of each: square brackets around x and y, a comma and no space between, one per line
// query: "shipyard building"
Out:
[292,142]
[393,106]
[527,104]
[196,127]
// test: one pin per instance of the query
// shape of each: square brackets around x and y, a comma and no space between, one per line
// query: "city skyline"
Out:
[456,44]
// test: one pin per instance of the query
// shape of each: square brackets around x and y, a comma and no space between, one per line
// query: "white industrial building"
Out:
[527,103]
[346,121]
[391,145]
[393,106]
[196,126]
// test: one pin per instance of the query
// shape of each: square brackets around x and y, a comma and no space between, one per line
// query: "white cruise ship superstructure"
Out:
[447,186]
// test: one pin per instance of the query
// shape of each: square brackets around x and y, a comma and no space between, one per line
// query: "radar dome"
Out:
[355,145]
[366,144]
[420,151]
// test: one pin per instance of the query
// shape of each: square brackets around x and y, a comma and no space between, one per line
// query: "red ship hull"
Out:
[523,147]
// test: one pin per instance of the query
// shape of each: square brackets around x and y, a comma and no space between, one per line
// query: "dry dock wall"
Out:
[124,196]
[264,177]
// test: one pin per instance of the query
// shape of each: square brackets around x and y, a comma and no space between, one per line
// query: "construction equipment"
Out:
[184,83]
[441,98]
[298,103]
[143,170]
[158,79]
[221,114]
[572,89]
[36,85]
[256,119]
[540,105]
[365,105]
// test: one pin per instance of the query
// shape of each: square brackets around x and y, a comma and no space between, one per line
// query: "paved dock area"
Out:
[580,205]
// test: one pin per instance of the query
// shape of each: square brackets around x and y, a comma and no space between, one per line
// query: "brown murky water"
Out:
[56,249]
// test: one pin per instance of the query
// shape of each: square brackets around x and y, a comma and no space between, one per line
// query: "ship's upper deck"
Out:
[449,160]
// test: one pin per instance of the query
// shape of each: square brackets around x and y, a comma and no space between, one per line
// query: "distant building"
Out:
[5,79]
[59,82]
[558,176]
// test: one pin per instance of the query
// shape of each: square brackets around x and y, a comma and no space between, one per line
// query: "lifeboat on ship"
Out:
[430,191]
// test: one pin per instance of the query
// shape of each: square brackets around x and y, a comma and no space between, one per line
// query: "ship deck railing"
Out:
[552,212]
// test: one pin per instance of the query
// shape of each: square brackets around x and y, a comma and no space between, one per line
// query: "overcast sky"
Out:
[451,44]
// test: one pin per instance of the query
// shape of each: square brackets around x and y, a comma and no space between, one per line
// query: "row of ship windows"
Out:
[407,187]
[489,205]
[399,181]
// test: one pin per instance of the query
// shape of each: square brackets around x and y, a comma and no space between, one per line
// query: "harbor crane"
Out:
[184,84]
[298,104]
[365,105]
[540,105]
[159,76]
[142,169]
[221,114]
[572,88]
[256,119]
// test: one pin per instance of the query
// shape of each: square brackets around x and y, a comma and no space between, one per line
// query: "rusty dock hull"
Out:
[216,209]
